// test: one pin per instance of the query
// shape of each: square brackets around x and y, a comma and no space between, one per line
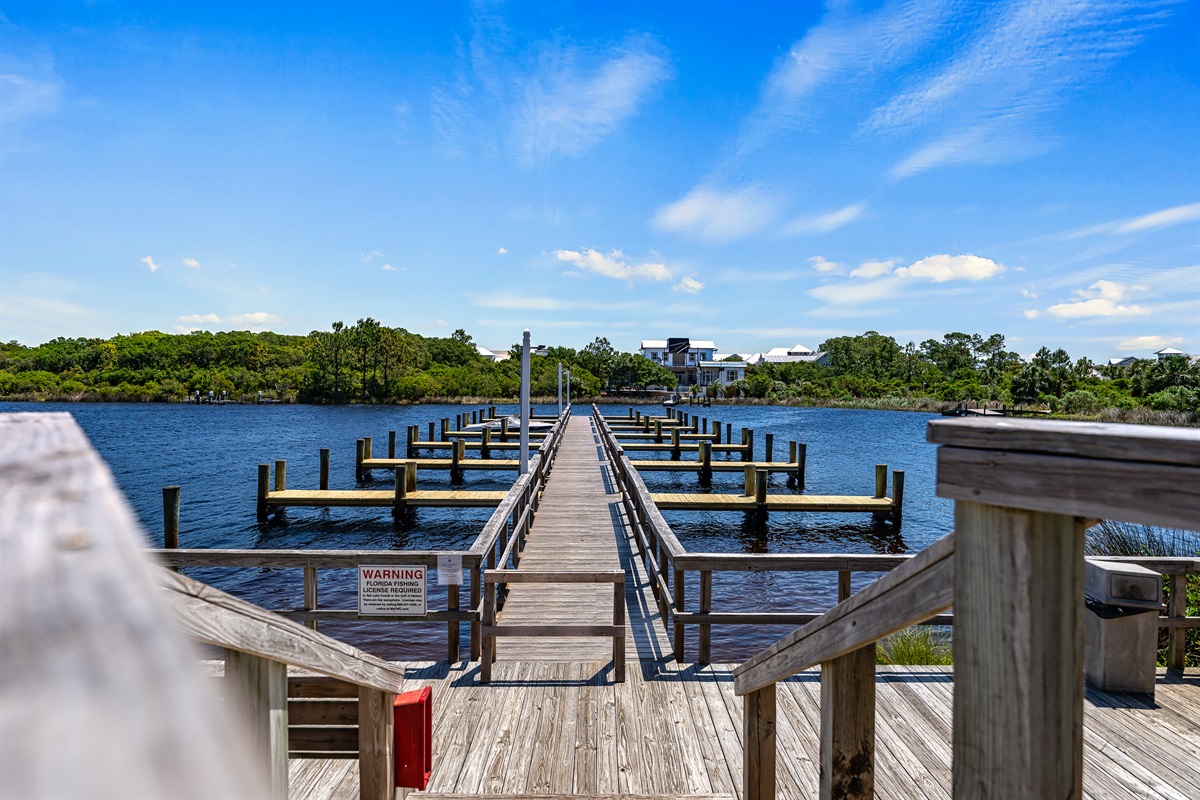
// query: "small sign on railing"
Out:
[391,590]
[449,570]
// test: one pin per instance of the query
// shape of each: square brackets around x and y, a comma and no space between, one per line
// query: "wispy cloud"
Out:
[874,269]
[1163,218]
[719,216]
[825,266]
[388,268]
[823,223]
[1024,58]
[688,285]
[149,262]
[370,256]
[255,321]
[612,265]
[502,251]
[30,89]
[566,108]
[192,263]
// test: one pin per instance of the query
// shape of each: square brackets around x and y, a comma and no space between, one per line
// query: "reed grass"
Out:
[918,645]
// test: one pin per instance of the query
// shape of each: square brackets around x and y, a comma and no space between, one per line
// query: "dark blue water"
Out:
[213,453]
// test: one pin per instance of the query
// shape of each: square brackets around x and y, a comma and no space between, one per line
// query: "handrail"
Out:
[905,596]
[214,617]
[101,692]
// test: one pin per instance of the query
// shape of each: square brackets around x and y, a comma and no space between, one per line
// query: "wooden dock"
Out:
[797,502]
[382,498]
[558,728]
[474,464]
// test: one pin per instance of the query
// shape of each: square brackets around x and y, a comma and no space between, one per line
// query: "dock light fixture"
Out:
[524,464]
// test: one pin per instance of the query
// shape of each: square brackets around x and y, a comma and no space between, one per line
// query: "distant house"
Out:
[492,355]
[681,356]
[725,372]
[1128,361]
[786,355]
[1167,352]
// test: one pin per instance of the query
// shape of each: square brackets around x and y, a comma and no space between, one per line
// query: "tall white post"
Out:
[525,402]
[560,388]
[568,390]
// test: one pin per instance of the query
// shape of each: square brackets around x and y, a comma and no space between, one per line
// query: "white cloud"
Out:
[874,269]
[388,268]
[191,262]
[149,262]
[567,109]
[255,320]
[200,319]
[1029,294]
[612,266]
[502,251]
[825,266]
[824,223]
[1150,343]
[1101,299]
[1031,313]
[856,292]
[941,268]
[719,216]
[688,285]
[371,255]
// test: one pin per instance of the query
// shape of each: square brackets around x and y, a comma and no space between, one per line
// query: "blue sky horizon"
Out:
[760,174]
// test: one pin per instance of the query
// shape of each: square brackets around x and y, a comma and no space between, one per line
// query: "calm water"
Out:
[213,453]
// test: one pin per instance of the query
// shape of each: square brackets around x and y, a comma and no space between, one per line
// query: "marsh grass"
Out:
[918,645]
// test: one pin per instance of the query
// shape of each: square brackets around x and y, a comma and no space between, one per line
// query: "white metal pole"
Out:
[560,388]
[525,402]
[568,389]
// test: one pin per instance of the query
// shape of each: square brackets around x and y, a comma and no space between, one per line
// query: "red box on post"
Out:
[413,712]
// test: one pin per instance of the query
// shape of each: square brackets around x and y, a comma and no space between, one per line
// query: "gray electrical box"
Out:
[1120,627]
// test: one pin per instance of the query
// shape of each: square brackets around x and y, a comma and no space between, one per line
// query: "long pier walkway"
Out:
[579,527]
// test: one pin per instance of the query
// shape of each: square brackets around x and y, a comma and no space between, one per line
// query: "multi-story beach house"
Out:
[682,356]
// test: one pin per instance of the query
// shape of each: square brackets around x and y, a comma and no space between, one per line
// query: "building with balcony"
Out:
[682,356]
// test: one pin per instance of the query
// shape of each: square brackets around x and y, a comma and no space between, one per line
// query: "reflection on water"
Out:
[213,453]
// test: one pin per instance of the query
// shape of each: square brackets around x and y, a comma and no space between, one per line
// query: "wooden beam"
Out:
[848,726]
[1018,653]
[258,688]
[758,734]
[376,745]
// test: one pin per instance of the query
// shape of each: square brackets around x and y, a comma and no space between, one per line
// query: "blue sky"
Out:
[758,174]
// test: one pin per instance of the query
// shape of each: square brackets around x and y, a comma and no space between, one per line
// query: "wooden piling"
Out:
[280,475]
[716,430]
[391,444]
[432,432]
[411,451]
[769,444]
[458,452]
[747,444]
[658,431]
[411,469]
[881,480]
[485,443]
[801,462]
[760,494]
[897,496]
[728,433]
[368,449]
[170,496]
[504,429]
[264,486]
[705,462]
[401,489]
[324,478]
[674,444]
[748,480]
[445,428]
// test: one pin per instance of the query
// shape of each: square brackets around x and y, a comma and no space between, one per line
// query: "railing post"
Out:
[310,595]
[758,734]
[489,641]
[677,586]
[1177,607]
[452,627]
[848,726]
[475,642]
[619,621]
[1018,653]
[258,687]
[376,743]
[705,656]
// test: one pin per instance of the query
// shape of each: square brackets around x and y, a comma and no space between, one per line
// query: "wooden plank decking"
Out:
[556,728]
[797,502]
[444,463]
[579,528]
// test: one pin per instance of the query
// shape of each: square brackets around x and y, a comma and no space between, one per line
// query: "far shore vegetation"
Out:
[371,363]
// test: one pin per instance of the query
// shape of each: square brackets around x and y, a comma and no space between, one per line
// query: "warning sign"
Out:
[391,591]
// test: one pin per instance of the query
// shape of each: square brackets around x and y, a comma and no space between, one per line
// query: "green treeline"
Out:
[968,367]
[363,363]
[371,363]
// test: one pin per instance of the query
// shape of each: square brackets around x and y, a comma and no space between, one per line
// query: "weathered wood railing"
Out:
[102,694]
[1013,571]
[492,630]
